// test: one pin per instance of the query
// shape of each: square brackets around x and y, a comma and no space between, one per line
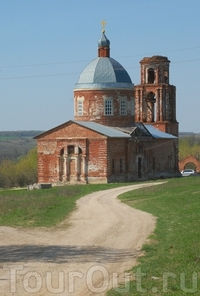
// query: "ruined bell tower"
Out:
[155,98]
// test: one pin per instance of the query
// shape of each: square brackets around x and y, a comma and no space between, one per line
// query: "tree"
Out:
[20,173]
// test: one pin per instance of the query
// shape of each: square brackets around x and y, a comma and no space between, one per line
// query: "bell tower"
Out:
[155,98]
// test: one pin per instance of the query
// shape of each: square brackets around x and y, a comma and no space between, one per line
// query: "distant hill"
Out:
[187,134]
[14,144]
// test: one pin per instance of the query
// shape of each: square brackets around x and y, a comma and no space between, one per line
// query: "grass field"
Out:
[171,265]
[42,208]
[171,262]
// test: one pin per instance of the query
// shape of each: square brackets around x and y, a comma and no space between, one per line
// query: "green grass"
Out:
[173,254]
[173,251]
[42,208]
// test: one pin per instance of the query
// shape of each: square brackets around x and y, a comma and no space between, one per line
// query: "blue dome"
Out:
[104,72]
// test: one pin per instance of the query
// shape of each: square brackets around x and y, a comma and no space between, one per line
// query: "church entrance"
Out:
[71,164]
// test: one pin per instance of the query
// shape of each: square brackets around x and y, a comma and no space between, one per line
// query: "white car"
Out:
[187,172]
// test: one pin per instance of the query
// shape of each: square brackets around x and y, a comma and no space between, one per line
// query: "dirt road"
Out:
[88,257]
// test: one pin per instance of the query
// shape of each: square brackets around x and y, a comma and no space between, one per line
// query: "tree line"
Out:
[15,144]
[19,173]
[22,171]
[189,145]
[19,134]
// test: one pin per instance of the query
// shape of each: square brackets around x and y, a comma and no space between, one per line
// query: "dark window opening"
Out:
[154,164]
[61,164]
[139,167]
[169,162]
[151,76]
[70,149]
[120,166]
[113,166]
[165,77]
[79,151]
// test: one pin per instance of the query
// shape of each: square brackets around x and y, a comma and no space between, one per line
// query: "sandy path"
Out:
[103,241]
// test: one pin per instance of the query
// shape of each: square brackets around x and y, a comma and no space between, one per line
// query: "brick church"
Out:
[120,132]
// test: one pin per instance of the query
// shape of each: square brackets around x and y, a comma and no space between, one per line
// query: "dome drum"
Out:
[109,107]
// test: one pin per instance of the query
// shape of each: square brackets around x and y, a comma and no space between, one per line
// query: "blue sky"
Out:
[46,44]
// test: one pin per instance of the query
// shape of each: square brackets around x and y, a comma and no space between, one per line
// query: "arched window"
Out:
[151,76]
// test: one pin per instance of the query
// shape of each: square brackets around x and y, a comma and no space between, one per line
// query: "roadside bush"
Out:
[20,173]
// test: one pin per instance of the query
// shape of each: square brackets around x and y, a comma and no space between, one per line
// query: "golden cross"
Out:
[103,23]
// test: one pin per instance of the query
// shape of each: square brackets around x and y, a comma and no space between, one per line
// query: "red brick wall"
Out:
[94,152]
[103,159]
[93,106]
[117,157]
[158,159]
[97,160]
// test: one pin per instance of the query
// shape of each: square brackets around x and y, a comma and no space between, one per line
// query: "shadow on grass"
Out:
[63,254]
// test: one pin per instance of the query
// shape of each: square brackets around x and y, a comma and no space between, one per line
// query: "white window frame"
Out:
[108,107]
[80,108]
[123,107]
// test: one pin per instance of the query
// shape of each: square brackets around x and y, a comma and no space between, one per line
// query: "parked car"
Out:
[187,172]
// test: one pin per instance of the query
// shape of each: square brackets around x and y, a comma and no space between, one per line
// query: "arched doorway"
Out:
[190,162]
[74,163]
[151,76]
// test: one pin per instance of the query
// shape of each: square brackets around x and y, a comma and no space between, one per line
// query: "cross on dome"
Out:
[103,23]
